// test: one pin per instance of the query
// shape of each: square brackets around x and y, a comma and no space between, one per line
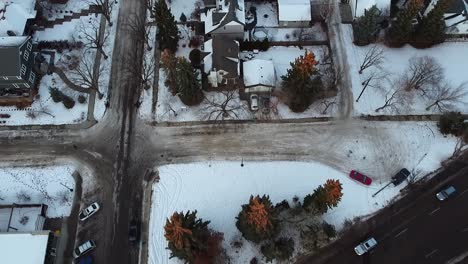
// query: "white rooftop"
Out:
[294,10]
[259,72]
[23,248]
[14,14]
[12,41]
[23,219]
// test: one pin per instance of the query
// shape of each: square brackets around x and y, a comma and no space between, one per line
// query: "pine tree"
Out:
[168,33]
[302,82]
[334,192]
[169,63]
[431,29]
[187,83]
[401,29]
[257,220]
[367,27]
[186,235]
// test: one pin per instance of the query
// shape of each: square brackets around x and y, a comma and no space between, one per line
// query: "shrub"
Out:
[329,229]
[183,18]
[56,94]
[81,99]
[68,102]
[281,249]
[452,123]
[195,57]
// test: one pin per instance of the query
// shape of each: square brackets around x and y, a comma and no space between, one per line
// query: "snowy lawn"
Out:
[315,33]
[56,11]
[187,7]
[218,189]
[267,13]
[449,55]
[185,33]
[33,185]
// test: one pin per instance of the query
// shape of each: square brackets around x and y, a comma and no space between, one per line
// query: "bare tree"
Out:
[445,97]
[223,105]
[91,32]
[422,74]
[105,8]
[328,104]
[394,99]
[374,57]
[372,80]
[85,76]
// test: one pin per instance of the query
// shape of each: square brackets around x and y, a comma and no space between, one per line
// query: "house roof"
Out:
[222,53]
[10,53]
[15,15]
[231,11]
[294,10]
[17,247]
[259,72]
[457,7]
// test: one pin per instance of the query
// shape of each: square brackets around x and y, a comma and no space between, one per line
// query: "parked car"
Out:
[134,231]
[446,193]
[86,260]
[254,102]
[400,176]
[84,248]
[88,211]
[365,246]
[360,177]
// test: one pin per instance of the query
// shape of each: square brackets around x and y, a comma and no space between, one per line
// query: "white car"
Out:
[254,102]
[365,246]
[446,193]
[88,211]
[84,248]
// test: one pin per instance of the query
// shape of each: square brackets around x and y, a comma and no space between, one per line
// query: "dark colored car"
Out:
[134,231]
[400,176]
[86,260]
[360,177]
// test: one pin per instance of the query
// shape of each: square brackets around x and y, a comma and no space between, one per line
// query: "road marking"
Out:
[435,210]
[431,253]
[403,231]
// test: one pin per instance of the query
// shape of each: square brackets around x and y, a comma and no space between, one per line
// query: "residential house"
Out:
[259,76]
[17,77]
[224,25]
[294,13]
[456,16]
[38,247]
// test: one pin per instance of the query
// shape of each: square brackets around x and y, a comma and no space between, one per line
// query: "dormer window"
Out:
[23,69]
[29,46]
[26,55]
[32,76]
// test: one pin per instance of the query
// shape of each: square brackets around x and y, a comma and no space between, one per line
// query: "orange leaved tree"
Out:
[257,220]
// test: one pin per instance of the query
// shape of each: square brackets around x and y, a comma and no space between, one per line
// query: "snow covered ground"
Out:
[267,13]
[449,55]
[218,189]
[315,33]
[33,185]
[183,6]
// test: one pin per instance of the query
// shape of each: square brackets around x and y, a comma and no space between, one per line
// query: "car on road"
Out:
[360,177]
[88,211]
[254,102]
[84,248]
[365,246]
[134,231]
[446,193]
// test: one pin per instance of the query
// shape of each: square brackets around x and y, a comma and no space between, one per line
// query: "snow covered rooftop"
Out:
[14,14]
[358,9]
[230,11]
[27,248]
[21,219]
[12,41]
[259,72]
[294,10]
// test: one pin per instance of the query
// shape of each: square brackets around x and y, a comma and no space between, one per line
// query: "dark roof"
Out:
[209,2]
[456,7]
[217,17]
[223,49]
[10,65]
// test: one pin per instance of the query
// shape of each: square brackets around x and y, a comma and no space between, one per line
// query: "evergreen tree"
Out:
[168,33]
[367,27]
[401,29]
[257,220]
[186,235]
[169,62]
[302,82]
[187,83]
[333,190]
[431,29]
[324,197]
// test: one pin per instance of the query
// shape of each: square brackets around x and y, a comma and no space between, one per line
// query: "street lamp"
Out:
[70,189]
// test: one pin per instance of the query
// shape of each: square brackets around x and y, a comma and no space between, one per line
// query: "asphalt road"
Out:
[418,229]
